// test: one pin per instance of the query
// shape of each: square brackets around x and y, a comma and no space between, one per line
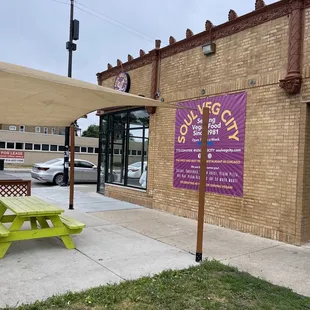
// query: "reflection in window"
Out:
[10,145]
[138,119]
[83,164]
[123,150]
[54,148]
[136,163]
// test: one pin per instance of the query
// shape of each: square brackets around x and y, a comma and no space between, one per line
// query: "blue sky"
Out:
[34,32]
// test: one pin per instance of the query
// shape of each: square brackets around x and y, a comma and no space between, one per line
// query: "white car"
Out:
[134,170]
[52,171]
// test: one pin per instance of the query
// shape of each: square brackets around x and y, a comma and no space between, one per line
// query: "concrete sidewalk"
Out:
[124,241]
[106,253]
[276,262]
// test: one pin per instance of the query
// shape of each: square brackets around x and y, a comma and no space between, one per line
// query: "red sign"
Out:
[12,156]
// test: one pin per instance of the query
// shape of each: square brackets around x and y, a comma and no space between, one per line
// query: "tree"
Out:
[91,132]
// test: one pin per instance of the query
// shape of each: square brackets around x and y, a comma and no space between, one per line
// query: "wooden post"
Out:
[202,184]
[29,188]
[72,149]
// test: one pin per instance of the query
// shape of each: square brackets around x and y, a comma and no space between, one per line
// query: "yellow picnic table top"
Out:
[29,206]
[34,210]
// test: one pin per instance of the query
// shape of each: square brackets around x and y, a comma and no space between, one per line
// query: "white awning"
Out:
[32,97]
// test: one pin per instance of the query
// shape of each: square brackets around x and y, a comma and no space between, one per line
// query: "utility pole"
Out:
[70,46]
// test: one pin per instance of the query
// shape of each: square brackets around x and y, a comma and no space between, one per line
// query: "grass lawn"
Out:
[210,285]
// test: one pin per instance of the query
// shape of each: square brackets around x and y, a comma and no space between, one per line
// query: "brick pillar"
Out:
[292,82]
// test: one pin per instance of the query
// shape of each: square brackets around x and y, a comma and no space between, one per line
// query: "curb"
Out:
[12,170]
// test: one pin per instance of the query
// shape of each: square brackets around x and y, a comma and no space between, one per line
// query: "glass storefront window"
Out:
[123,147]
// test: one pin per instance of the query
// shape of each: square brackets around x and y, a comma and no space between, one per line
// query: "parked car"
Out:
[134,170]
[52,171]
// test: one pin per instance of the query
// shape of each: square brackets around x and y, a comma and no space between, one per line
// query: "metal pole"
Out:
[70,39]
[67,131]
[66,158]
[202,184]
[72,149]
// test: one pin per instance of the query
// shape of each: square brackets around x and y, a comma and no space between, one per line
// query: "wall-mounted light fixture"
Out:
[209,49]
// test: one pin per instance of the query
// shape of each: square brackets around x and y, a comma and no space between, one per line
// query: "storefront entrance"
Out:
[123,148]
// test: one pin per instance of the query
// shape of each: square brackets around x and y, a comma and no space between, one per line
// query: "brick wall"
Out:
[134,196]
[277,140]
[259,53]
[303,191]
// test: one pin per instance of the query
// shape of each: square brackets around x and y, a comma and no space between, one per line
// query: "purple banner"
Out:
[225,144]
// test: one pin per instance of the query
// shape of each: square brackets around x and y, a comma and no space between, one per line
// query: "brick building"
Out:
[262,56]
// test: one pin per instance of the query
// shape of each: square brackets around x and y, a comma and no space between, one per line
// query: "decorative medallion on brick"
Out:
[189,33]
[208,25]
[157,43]
[259,4]
[291,85]
[232,15]
[172,40]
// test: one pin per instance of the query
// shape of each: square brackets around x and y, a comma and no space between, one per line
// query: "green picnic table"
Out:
[45,220]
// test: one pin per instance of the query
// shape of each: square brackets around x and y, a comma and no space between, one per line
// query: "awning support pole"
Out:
[72,149]
[202,184]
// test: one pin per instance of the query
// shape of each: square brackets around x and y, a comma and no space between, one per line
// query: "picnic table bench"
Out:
[45,220]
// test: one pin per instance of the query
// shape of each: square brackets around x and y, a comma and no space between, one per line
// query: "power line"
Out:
[113,22]
[61,2]
[108,19]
